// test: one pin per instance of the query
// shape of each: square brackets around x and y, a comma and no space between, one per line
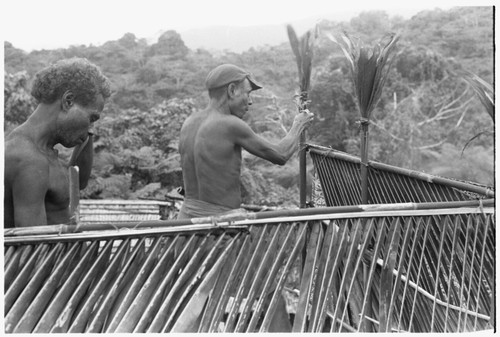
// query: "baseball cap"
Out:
[227,73]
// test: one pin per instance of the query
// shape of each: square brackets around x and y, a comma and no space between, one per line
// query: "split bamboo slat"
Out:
[417,269]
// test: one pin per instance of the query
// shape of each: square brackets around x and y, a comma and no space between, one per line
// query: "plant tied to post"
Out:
[369,69]
[303,50]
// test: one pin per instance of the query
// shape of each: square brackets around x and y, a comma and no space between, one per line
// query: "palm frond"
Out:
[474,138]
[483,90]
[369,67]
[303,50]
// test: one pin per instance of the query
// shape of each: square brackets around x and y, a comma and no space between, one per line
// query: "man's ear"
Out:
[231,89]
[67,100]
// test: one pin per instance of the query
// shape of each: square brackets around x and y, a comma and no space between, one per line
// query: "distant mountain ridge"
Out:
[238,39]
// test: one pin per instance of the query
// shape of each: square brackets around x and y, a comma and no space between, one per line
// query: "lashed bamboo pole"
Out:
[166,282]
[190,318]
[364,163]
[368,282]
[220,295]
[90,268]
[36,233]
[22,278]
[22,303]
[269,274]
[327,294]
[386,275]
[259,274]
[277,293]
[14,262]
[11,264]
[303,51]
[104,311]
[347,273]
[245,283]
[161,322]
[37,305]
[205,273]
[136,307]
[323,273]
[235,271]
[94,291]
[53,311]
[398,277]
[306,286]
[366,232]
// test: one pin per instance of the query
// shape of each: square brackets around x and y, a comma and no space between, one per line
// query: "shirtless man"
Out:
[71,95]
[211,141]
[210,146]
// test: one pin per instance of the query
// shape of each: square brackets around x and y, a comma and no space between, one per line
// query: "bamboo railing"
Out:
[431,269]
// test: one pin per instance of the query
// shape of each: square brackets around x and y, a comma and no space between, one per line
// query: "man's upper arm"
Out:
[255,144]
[29,188]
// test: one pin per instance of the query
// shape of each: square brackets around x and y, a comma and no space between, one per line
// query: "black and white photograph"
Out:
[230,167]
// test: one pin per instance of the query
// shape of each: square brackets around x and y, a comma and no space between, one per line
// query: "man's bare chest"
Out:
[58,186]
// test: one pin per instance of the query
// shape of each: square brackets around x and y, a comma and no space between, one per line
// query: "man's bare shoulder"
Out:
[20,153]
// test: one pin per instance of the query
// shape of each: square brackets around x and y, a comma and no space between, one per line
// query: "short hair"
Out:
[79,75]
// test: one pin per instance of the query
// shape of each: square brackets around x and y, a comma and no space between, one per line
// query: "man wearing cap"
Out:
[210,146]
[211,141]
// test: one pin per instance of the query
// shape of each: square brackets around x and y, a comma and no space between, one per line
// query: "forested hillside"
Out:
[425,120]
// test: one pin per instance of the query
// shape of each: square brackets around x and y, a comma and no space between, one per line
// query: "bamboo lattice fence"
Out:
[339,176]
[430,268]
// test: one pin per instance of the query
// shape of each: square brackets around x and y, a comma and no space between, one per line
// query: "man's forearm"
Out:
[83,157]
[288,145]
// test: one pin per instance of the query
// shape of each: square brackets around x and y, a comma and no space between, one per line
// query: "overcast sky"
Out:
[48,24]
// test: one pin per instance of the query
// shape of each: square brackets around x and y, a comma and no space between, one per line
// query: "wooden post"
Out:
[303,157]
[364,162]
[302,170]
[74,195]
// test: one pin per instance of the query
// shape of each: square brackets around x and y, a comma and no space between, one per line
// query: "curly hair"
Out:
[79,75]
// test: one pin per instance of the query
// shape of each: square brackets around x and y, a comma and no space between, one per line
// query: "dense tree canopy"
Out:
[425,117]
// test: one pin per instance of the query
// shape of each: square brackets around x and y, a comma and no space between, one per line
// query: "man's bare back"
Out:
[211,142]
[212,159]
